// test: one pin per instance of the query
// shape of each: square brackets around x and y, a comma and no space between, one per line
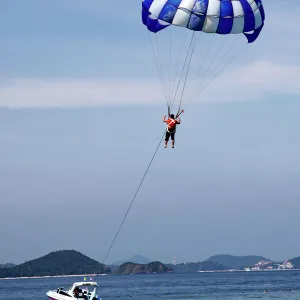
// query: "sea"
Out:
[229,285]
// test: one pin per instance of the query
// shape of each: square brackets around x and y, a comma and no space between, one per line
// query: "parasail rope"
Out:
[134,197]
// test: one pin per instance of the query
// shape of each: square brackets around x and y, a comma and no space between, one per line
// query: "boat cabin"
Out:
[81,290]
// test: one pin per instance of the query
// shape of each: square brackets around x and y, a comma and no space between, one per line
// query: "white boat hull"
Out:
[56,296]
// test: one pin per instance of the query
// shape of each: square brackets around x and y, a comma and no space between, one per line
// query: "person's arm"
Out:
[164,119]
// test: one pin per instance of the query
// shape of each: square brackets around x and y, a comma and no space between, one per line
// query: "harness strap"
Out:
[170,131]
[167,125]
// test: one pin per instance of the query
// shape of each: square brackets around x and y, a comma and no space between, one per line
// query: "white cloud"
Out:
[244,83]
[254,81]
[76,93]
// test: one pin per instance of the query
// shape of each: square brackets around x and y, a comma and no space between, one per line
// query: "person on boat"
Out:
[171,128]
[76,292]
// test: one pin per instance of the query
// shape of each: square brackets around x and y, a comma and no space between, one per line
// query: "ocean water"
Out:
[234,286]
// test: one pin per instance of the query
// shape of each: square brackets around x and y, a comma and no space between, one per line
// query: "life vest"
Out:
[171,124]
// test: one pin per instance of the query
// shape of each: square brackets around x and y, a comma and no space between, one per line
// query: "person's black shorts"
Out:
[170,134]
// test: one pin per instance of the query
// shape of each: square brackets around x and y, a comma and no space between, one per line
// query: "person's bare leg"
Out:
[173,143]
[166,143]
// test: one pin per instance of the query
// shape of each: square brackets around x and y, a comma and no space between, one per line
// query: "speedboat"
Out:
[79,290]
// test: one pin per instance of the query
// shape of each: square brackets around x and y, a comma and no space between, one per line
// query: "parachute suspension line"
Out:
[210,71]
[206,70]
[170,64]
[216,75]
[157,64]
[158,60]
[187,58]
[134,197]
[164,65]
[183,36]
[203,55]
[189,52]
[158,54]
[207,51]
[187,73]
[215,58]
[224,56]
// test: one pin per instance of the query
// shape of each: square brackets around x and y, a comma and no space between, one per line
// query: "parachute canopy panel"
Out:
[210,16]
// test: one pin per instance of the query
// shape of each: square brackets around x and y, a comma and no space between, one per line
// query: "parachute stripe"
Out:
[213,9]
[187,5]
[225,25]
[182,18]
[168,13]
[200,7]
[226,9]
[238,25]
[210,16]
[237,9]
[196,22]
[211,24]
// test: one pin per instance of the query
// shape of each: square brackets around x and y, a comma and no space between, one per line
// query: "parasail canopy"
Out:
[210,16]
[193,41]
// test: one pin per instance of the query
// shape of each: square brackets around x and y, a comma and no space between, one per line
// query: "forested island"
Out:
[70,262]
[133,268]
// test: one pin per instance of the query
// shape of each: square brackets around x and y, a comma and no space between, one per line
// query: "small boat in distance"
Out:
[79,290]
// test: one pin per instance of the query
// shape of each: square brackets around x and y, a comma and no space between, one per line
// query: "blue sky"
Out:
[80,117]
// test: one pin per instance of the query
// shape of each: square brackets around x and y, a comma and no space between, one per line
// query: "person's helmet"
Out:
[172,116]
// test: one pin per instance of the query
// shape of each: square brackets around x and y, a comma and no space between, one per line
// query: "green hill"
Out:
[4,272]
[66,262]
[132,268]
[235,262]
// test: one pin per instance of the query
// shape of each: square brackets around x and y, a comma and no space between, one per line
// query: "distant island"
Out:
[132,268]
[71,262]
[55,264]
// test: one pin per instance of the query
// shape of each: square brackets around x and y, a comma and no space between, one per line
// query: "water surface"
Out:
[234,286]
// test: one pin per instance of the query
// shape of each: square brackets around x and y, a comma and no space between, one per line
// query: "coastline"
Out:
[93,275]
[55,276]
[232,271]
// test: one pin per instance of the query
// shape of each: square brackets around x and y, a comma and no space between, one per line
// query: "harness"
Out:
[172,122]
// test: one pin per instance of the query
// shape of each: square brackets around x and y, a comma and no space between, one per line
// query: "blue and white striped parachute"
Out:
[210,16]
[198,34]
